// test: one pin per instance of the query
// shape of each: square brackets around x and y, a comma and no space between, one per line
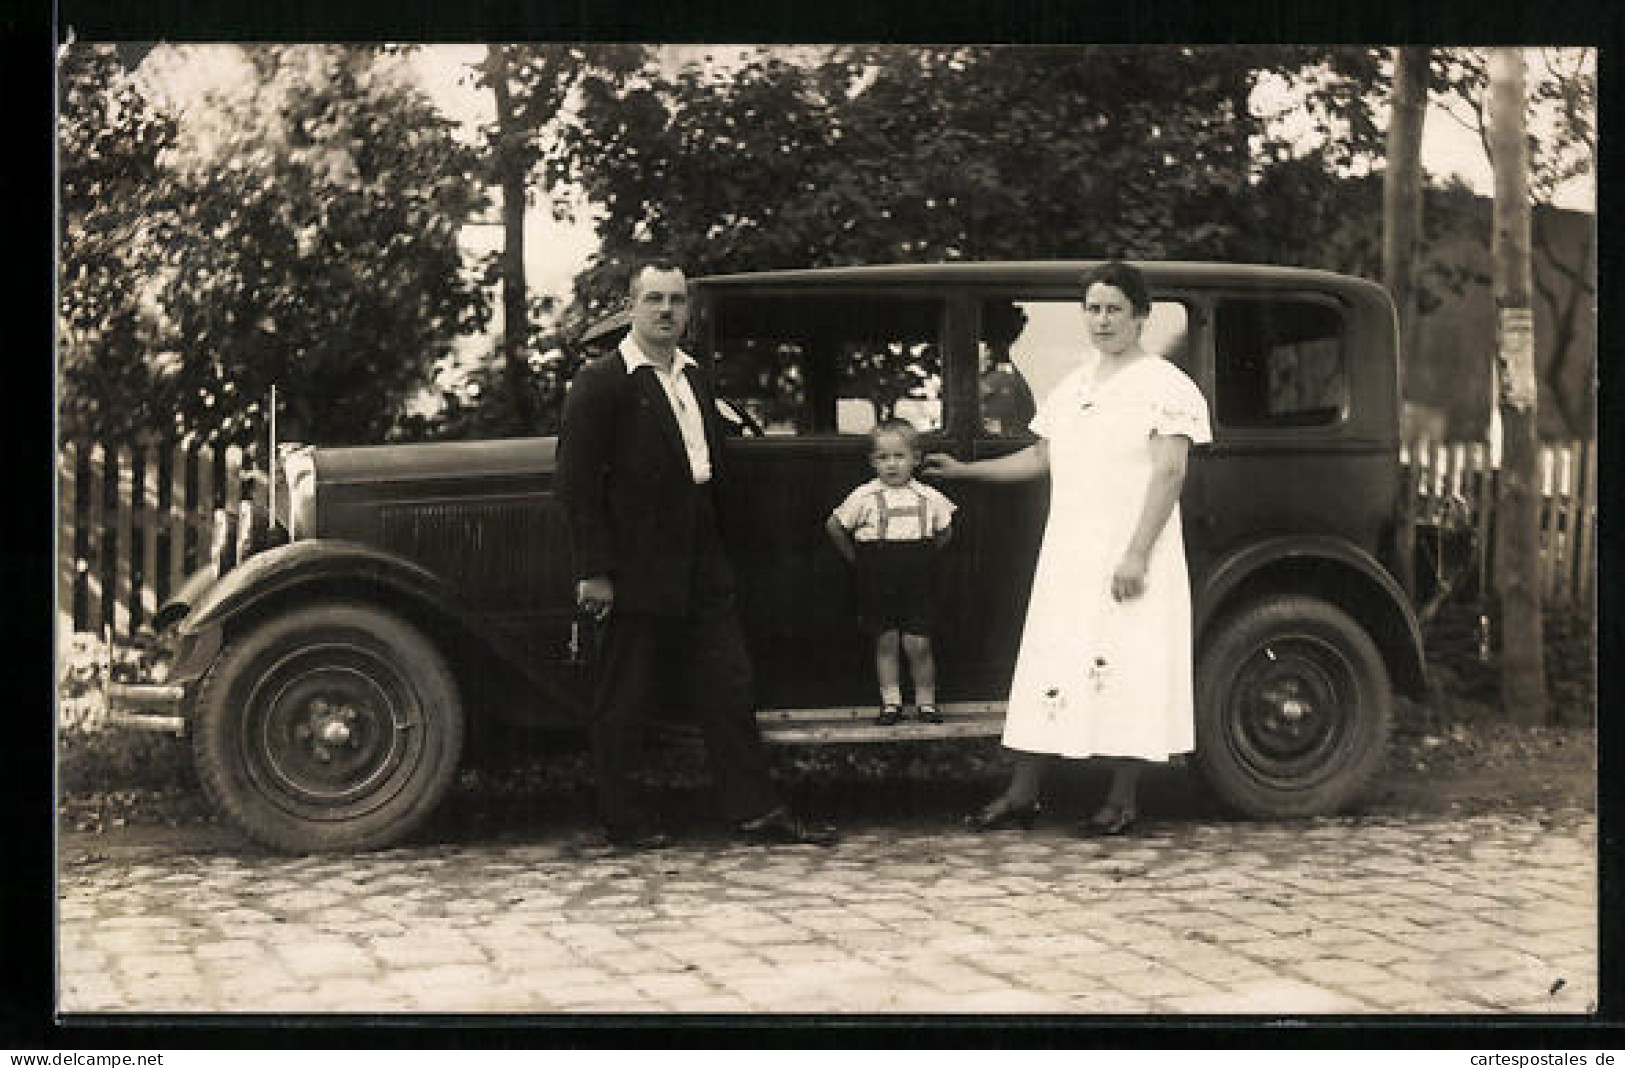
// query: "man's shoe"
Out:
[780,827]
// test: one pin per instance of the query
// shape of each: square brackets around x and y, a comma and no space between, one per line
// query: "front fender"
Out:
[329,562]
[1343,573]
[277,570]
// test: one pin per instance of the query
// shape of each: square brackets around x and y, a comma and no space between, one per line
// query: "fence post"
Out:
[203,508]
[149,532]
[177,516]
[95,536]
[1585,565]
[67,514]
[1483,513]
[234,474]
[1551,508]
[122,553]
[1571,513]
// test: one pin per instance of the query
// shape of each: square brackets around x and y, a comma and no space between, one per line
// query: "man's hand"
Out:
[1128,581]
[596,596]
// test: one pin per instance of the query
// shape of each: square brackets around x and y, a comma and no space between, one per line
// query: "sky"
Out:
[556,251]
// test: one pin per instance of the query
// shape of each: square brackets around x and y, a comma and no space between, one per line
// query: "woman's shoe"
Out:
[1000,814]
[890,715]
[928,714]
[1110,822]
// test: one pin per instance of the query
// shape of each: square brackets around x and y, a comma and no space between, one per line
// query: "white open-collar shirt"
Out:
[684,404]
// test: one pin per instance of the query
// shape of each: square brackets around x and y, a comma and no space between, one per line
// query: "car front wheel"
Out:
[332,727]
[1292,708]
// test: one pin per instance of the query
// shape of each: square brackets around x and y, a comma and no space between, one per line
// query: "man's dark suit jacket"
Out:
[624,479]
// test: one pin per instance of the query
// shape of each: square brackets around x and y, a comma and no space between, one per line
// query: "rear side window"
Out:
[810,365]
[1279,362]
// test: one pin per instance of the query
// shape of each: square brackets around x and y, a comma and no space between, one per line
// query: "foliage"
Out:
[115,208]
[1562,86]
[882,153]
[318,250]
[91,756]
[517,388]
[307,238]
[480,405]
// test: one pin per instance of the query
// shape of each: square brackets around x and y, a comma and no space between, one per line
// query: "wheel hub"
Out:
[332,727]
[1288,707]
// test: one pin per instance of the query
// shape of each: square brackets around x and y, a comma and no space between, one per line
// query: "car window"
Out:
[1026,346]
[804,365]
[1279,362]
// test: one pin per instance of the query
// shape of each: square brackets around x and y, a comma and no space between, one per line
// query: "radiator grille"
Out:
[501,556]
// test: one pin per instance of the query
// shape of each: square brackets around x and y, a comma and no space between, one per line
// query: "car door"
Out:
[809,371]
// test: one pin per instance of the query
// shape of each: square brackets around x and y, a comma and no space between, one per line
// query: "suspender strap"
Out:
[883,513]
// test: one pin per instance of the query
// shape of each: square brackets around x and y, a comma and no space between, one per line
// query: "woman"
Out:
[1105,663]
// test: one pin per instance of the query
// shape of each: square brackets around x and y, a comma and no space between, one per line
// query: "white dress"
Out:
[1098,677]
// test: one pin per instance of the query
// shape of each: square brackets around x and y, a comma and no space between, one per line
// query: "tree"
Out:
[1402,190]
[880,154]
[116,206]
[512,158]
[1402,224]
[1566,89]
[317,249]
[1517,525]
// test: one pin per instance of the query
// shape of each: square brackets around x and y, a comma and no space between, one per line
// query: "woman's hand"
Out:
[941,465]
[1128,581]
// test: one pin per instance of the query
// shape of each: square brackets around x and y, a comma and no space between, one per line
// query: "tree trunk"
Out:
[1517,511]
[1402,231]
[511,173]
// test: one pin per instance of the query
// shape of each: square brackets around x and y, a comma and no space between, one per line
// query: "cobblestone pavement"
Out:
[1487,913]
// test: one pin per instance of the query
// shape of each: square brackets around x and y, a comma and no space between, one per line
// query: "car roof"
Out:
[1009,272]
[1017,272]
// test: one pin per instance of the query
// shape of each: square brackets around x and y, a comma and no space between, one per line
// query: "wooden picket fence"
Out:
[1457,480]
[133,522]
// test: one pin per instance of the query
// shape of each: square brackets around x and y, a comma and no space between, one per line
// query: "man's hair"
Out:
[896,425]
[645,264]
[1120,275]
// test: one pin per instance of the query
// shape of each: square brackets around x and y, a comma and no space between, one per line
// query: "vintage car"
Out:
[328,662]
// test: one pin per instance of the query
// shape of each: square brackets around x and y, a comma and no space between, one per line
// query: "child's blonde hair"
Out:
[899,426]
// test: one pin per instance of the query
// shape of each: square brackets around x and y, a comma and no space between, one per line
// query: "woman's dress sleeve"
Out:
[1178,408]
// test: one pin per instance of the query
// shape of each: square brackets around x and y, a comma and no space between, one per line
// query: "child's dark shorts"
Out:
[898,586]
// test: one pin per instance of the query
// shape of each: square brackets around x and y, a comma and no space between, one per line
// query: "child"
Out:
[891,528]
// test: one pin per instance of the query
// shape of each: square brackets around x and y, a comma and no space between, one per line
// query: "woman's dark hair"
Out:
[1121,276]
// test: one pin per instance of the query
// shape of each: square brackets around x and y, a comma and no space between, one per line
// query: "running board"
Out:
[853,725]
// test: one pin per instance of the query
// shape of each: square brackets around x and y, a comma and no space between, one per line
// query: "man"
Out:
[639,455]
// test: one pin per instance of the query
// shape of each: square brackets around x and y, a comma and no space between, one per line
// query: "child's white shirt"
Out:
[913,511]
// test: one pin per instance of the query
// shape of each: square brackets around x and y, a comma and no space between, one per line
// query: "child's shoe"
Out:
[928,714]
[890,715]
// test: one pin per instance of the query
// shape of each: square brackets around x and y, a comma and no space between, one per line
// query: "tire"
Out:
[1293,707]
[335,727]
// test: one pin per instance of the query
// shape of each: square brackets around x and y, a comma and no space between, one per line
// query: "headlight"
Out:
[251,525]
[299,474]
[223,546]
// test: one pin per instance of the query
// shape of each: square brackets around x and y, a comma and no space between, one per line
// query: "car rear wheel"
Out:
[333,727]
[1293,708]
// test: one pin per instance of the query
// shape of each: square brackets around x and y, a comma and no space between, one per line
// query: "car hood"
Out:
[434,459]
